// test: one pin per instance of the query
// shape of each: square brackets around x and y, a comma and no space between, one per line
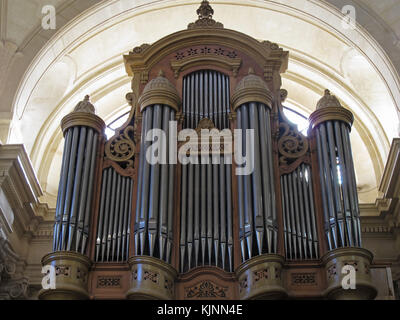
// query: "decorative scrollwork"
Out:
[292,144]
[121,148]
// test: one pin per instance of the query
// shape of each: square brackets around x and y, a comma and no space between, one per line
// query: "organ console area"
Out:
[129,228]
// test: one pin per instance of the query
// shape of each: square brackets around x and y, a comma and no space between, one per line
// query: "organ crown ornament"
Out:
[205,13]
[329,108]
[251,88]
[160,91]
[85,106]
[328,100]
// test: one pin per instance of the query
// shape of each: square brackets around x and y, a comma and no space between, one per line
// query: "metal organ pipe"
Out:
[256,191]
[74,199]
[300,231]
[206,197]
[331,126]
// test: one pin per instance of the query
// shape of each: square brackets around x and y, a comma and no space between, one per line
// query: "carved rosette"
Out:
[152,279]
[71,276]
[361,260]
[251,89]
[261,278]
[160,91]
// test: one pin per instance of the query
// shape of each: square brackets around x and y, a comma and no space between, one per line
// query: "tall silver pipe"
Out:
[294,229]
[142,159]
[209,210]
[352,181]
[241,208]
[312,212]
[101,213]
[190,214]
[116,216]
[328,182]
[256,178]
[344,186]
[216,212]
[154,187]
[122,210]
[85,197]
[77,186]
[129,216]
[203,231]
[61,189]
[88,208]
[196,221]
[223,217]
[335,182]
[305,198]
[290,235]
[110,215]
[70,184]
[164,183]
[265,174]
[229,214]
[171,184]
[249,225]
[183,215]
[296,215]
[327,212]
[144,206]
[271,180]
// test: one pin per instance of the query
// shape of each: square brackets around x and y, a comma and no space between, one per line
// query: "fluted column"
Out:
[82,130]
[252,101]
[153,231]
[331,125]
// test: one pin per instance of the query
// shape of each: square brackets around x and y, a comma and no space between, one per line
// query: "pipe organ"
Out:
[159,211]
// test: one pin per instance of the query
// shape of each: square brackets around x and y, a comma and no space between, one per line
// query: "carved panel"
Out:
[121,147]
[63,270]
[291,144]
[109,282]
[300,279]
[206,289]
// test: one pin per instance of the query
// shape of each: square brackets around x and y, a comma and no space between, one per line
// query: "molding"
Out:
[331,114]
[21,188]
[83,119]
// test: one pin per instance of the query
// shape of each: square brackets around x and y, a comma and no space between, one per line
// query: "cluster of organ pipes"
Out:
[299,220]
[73,210]
[154,207]
[113,229]
[256,192]
[206,188]
[338,185]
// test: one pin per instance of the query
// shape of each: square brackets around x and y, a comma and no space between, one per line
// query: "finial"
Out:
[161,73]
[251,70]
[328,100]
[205,13]
[85,106]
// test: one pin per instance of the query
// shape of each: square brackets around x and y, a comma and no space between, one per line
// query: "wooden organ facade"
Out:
[126,227]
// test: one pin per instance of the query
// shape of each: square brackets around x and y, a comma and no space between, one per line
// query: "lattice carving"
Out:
[299,279]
